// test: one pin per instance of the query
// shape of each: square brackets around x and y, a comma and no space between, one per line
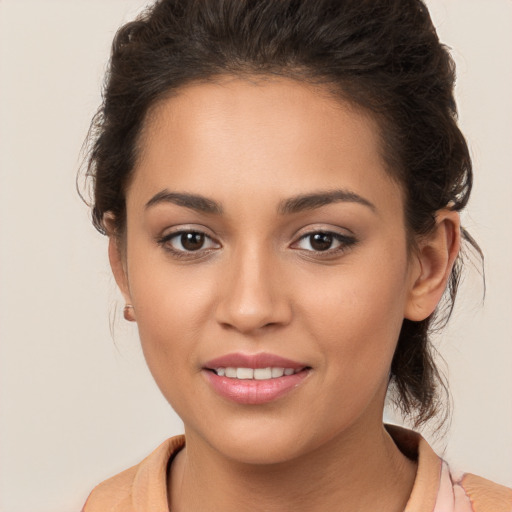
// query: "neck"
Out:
[350,473]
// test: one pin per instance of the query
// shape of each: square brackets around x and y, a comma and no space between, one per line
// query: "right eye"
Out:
[183,242]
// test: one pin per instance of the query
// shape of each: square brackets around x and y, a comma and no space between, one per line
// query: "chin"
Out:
[265,441]
[262,451]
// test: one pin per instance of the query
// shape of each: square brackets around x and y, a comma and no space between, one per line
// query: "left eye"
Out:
[188,241]
[321,241]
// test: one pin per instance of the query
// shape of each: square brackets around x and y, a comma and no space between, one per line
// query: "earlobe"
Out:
[435,255]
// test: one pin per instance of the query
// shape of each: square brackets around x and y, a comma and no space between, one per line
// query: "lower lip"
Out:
[254,391]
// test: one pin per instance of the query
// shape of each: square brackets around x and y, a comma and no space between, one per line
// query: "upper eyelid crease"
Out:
[289,206]
[179,232]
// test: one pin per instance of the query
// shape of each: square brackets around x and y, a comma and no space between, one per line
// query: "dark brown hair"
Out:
[381,55]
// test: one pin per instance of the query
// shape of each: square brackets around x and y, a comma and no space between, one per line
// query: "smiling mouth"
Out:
[252,379]
[256,373]
[255,386]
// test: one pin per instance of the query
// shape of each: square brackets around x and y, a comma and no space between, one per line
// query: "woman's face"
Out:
[262,226]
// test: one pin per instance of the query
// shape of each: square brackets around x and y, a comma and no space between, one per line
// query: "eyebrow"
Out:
[318,199]
[192,201]
[289,206]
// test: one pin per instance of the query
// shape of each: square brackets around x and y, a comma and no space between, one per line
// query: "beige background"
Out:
[76,406]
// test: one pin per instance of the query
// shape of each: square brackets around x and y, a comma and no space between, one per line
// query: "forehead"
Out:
[272,131]
[261,106]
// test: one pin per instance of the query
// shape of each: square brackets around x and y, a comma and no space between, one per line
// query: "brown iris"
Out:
[192,241]
[321,241]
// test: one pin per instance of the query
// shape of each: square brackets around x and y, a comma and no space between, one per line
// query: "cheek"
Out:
[172,306]
[356,312]
[169,320]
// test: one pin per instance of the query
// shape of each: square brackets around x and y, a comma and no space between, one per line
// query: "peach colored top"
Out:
[143,488]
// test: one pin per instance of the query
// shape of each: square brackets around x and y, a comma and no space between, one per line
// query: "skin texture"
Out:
[258,285]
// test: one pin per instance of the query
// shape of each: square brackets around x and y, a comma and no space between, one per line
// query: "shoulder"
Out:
[112,494]
[141,487]
[438,488]
[466,492]
[484,495]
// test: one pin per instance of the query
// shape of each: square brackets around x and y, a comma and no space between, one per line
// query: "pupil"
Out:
[321,241]
[192,241]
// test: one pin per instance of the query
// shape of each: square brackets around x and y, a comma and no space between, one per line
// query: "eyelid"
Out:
[345,241]
[324,227]
[164,239]
[177,234]
[186,228]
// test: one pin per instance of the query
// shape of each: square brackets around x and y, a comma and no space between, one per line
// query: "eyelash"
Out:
[184,254]
[345,242]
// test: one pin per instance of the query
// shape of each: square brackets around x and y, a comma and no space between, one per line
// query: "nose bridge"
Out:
[253,296]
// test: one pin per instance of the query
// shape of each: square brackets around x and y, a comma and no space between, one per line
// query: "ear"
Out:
[118,267]
[117,258]
[435,257]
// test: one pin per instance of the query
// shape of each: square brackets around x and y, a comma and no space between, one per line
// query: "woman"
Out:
[281,185]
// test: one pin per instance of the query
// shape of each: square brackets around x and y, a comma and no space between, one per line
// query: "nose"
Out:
[253,296]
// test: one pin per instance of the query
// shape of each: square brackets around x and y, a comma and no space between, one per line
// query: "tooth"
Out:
[221,371]
[231,372]
[289,371]
[244,373]
[277,372]
[262,373]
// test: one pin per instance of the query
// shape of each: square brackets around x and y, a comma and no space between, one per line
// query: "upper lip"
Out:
[260,360]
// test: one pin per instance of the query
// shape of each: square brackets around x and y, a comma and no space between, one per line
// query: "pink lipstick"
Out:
[254,379]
